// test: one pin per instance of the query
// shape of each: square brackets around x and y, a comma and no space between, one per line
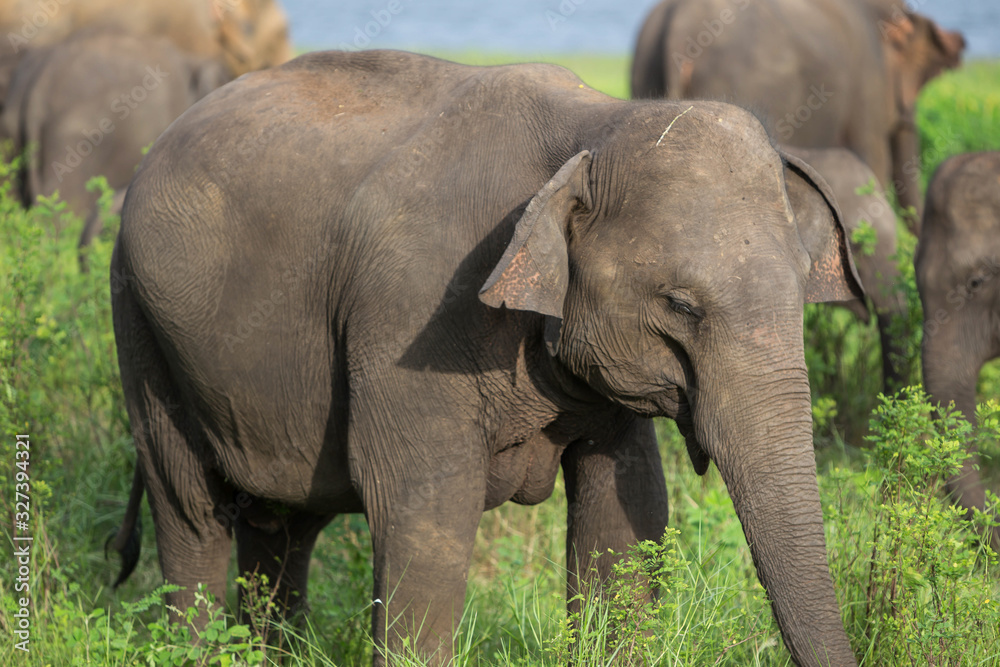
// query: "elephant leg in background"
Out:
[968,491]
[617,496]
[193,547]
[892,316]
[895,364]
[95,221]
[278,546]
[95,224]
[422,517]
[906,174]
[48,174]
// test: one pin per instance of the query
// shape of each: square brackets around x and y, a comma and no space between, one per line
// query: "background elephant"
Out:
[958,275]
[89,105]
[245,34]
[824,74]
[300,327]
[862,200]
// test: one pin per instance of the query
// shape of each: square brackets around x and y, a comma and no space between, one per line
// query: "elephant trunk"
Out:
[757,427]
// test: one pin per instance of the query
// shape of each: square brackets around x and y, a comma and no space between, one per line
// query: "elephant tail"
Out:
[128,540]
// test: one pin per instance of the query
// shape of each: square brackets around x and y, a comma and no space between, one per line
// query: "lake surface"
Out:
[543,26]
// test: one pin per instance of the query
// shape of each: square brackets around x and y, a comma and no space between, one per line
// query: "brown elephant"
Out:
[862,200]
[823,74]
[384,283]
[90,104]
[958,275]
[247,34]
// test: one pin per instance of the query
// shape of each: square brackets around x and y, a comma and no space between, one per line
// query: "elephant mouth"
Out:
[671,401]
[685,424]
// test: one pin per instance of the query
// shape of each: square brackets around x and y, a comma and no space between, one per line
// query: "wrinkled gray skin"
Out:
[91,104]
[846,173]
[300,325]
[958,275]
[824,74]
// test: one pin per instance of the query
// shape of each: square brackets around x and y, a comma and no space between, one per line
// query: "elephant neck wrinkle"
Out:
[548,380]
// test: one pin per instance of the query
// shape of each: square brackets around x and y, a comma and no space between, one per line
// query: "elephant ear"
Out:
[833,276]
[949,43]
[207,74]
[533,273]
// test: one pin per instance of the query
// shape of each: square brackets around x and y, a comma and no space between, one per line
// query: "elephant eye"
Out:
[976,282]
[685,308]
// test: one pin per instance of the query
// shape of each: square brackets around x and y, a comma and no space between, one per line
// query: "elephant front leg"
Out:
[617,497]
[423,523]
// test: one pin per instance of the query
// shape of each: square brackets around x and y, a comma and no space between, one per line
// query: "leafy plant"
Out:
[929,598]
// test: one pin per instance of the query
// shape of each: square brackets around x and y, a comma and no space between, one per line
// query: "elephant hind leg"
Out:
[278,547]
[193,539]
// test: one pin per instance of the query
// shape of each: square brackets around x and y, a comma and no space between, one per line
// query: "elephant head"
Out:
[253,34]
[916,50]
[671,269]
[958,274]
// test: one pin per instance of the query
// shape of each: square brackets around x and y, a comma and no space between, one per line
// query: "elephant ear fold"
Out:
[533,273]
[950,44]
[833,276]
[207,74]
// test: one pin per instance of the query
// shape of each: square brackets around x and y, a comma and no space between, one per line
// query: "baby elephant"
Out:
[958,275]
[862,200]
[89,105]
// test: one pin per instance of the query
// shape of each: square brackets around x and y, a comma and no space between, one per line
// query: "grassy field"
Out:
[913,583]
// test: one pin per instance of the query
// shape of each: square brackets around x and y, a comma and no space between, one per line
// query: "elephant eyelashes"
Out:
[684,308]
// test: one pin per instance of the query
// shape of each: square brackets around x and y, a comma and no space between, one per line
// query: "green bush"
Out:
[920,581]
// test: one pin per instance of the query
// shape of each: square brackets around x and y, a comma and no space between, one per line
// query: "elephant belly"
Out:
[524,473]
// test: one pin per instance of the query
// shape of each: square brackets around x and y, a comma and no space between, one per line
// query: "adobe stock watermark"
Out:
[122,106]
[266,305]
[363,35]
[33,22]
[694,46]
[793,120]
[565,9]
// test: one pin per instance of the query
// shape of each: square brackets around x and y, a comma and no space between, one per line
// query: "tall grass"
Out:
[888,536]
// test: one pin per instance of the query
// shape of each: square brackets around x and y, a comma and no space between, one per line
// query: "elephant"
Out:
[385,283]
[957,266]
[91,104]
[824,74]
[244,34]
[861,199]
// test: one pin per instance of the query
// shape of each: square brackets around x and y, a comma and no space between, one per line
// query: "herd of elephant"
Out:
[385,283]
[87,85]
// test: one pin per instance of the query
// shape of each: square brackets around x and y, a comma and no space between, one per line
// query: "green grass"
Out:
[59,382]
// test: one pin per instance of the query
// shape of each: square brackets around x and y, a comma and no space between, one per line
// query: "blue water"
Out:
[543,26]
